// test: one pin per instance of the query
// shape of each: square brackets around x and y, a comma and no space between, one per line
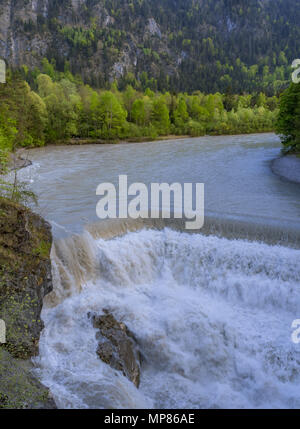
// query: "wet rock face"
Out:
[117,346]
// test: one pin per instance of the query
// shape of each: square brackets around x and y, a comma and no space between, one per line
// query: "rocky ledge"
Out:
[25,278]
[117,346]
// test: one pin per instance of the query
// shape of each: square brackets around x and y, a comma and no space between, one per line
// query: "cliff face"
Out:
[184,44]
[25,278]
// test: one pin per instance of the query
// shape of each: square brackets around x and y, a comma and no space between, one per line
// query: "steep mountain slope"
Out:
[171,44]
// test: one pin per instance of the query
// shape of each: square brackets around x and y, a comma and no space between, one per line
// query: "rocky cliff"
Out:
[182,44]
[25,278]
[117,346]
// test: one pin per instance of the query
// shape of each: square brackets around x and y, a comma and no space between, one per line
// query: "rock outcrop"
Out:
[117,346]
[18,388]
[25,279]
[183,44]
[25,276]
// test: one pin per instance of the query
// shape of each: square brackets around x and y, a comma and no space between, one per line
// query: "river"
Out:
[211,312]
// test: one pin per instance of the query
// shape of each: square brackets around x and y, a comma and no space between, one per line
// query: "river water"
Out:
[211,312]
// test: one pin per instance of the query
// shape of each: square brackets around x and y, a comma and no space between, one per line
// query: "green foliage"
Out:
[112,115]
[16,191]
[181,115]
[63,108]
[160,116]
[43,249]
[22,115]
[62,103]
[288,122]
[211,46]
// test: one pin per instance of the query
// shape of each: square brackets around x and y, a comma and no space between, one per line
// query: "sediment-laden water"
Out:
[211,312]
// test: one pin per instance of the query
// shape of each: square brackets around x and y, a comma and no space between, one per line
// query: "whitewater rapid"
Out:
[212,317]
[212,312]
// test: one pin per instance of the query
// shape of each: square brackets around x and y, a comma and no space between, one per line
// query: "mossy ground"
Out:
[18,388]
[25,278]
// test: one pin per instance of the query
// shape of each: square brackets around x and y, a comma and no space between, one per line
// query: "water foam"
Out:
[211,316]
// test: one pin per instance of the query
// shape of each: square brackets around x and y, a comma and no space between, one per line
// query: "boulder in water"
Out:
[117,346]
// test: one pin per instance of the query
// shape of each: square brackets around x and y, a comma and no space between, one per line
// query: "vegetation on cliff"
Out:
[170,45]
[25,278]
[18,388]
[25,275]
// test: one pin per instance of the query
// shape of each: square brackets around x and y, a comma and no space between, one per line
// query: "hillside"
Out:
[186,45]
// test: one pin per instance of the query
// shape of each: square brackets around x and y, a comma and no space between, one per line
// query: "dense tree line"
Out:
[58,106]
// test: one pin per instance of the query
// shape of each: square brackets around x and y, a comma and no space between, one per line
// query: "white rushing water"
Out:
[212,312]
[212,318]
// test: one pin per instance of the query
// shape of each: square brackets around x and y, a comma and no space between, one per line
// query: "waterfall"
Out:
[211,313]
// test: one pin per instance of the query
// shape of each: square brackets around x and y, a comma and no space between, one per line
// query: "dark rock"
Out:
[117,346]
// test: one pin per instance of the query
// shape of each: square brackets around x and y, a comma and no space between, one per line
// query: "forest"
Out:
[288,120]
[57,106]
[171,45]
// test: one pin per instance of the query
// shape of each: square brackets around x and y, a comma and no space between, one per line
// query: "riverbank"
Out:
[80,141]
[287,167]
[87,141]
[21,160]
